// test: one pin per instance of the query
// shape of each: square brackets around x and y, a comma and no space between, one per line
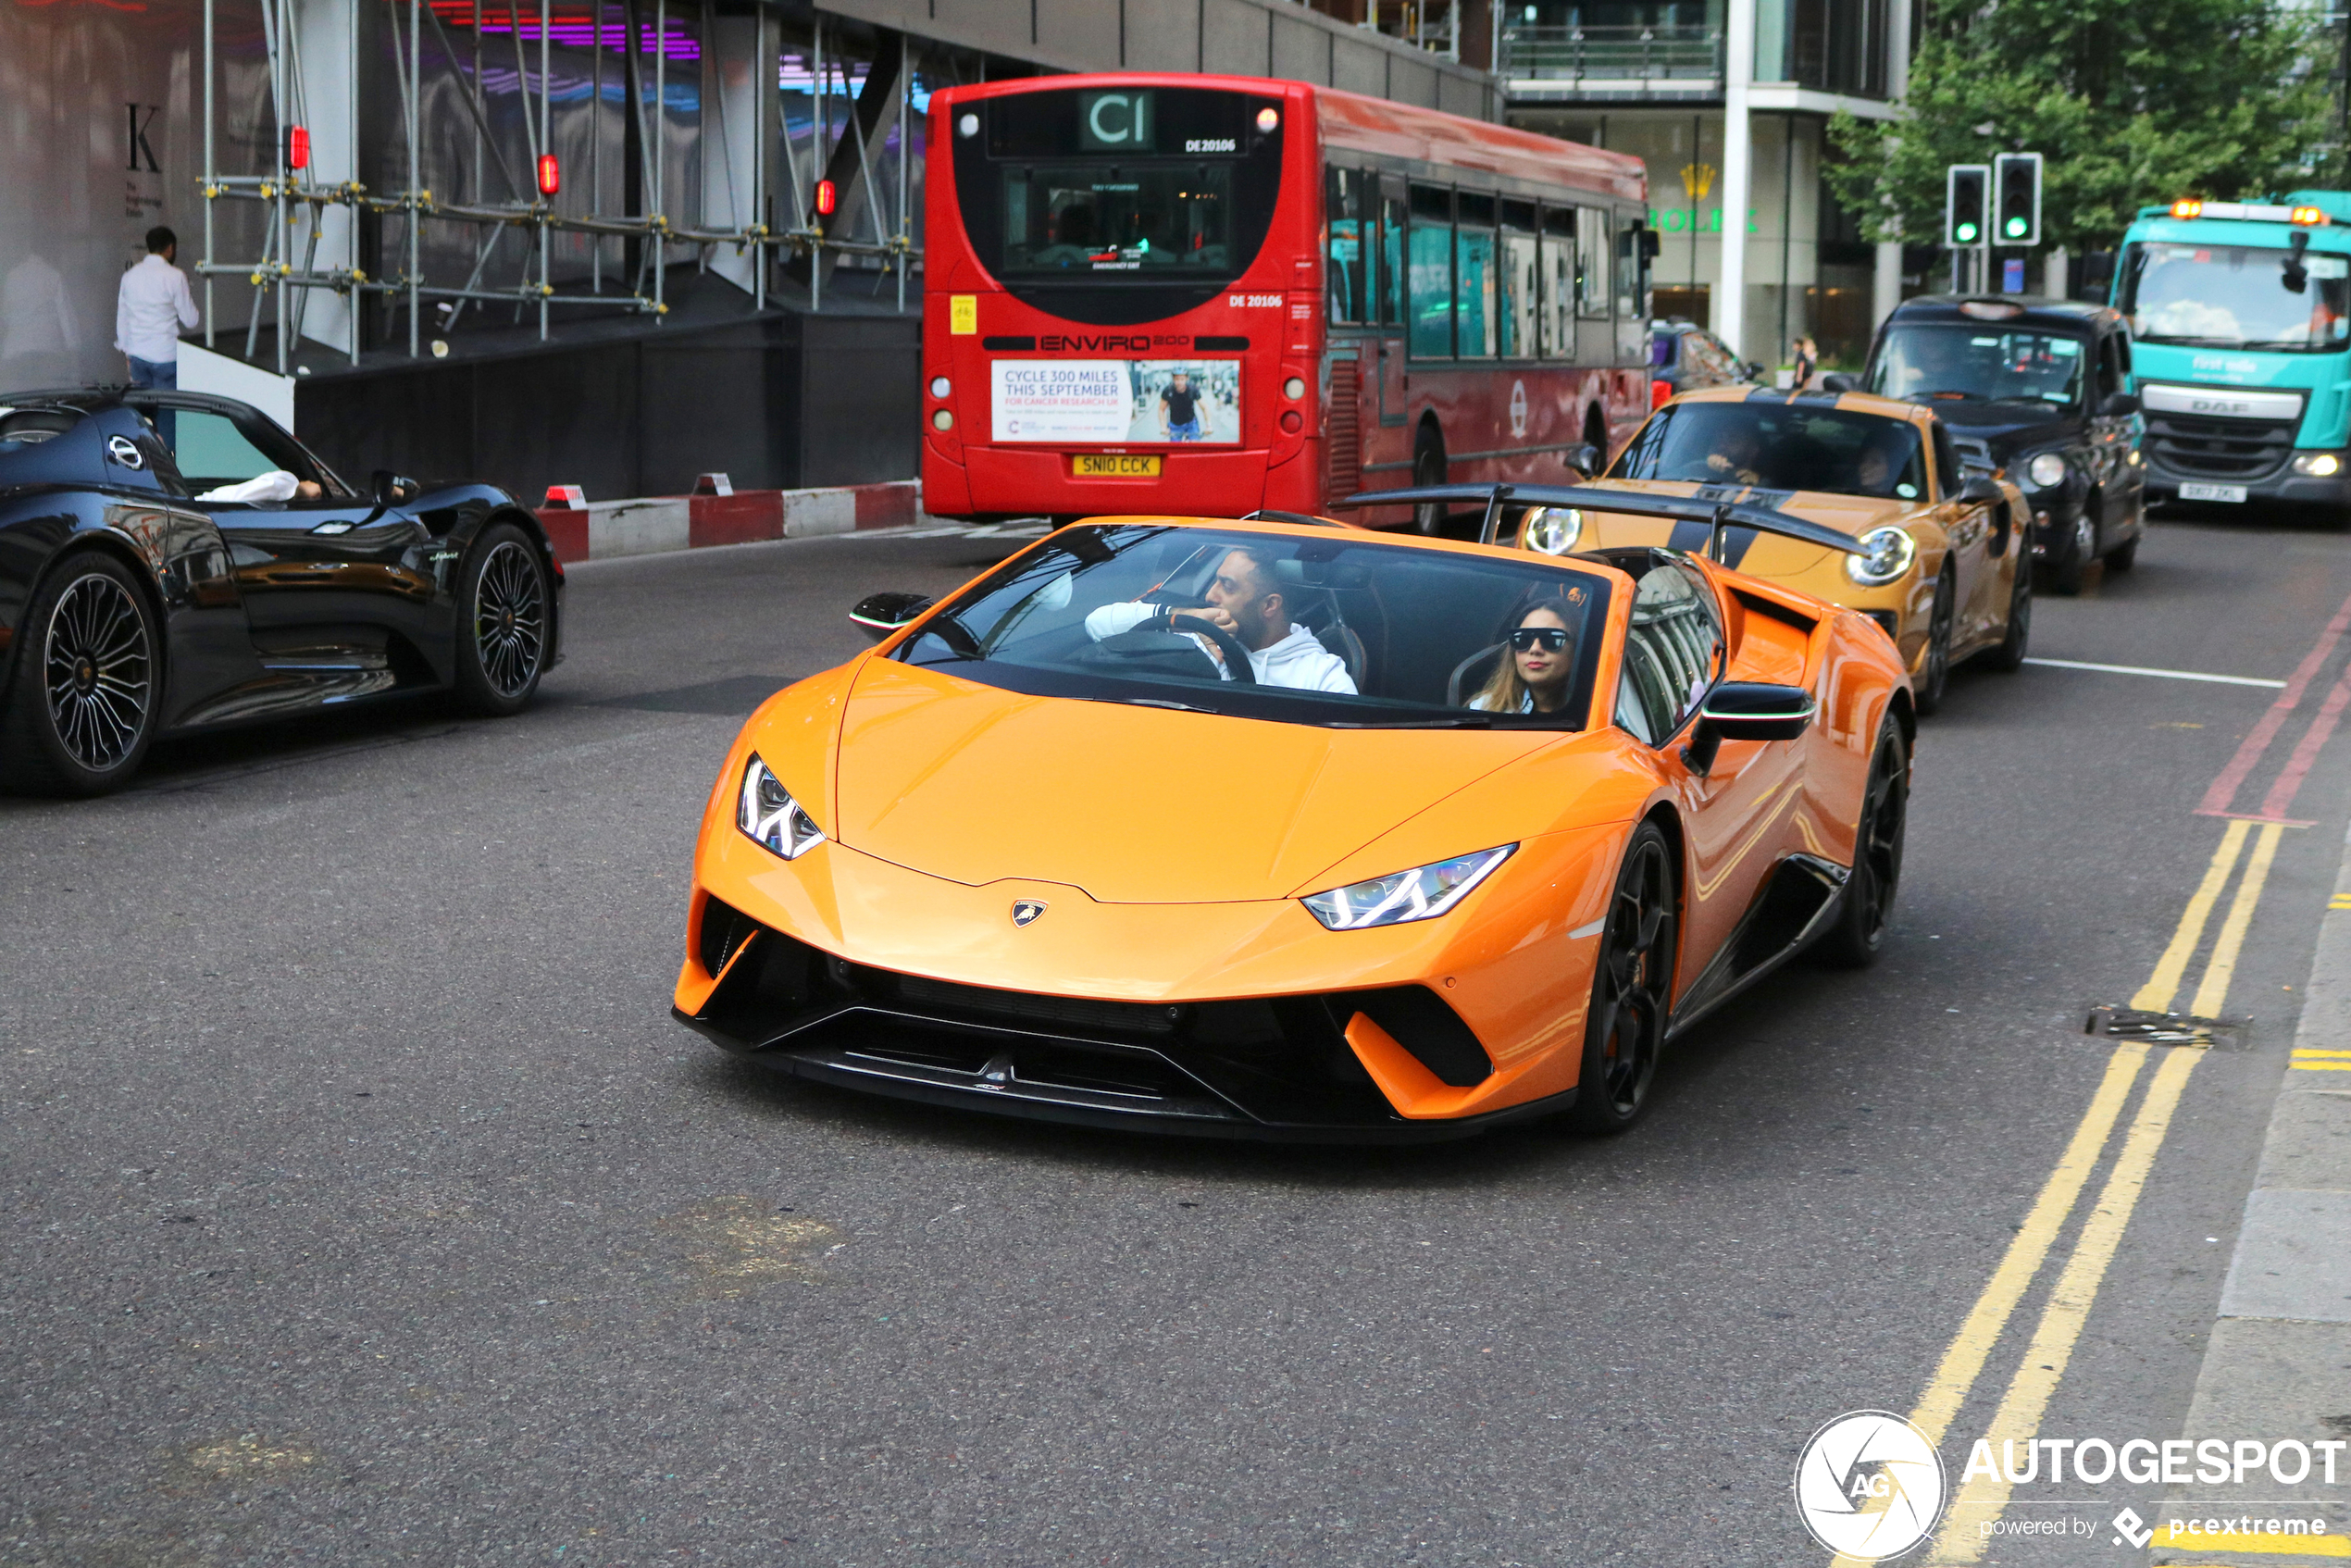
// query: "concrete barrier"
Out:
[604,529]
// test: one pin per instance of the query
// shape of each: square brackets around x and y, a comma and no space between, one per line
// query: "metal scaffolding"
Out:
[297,204]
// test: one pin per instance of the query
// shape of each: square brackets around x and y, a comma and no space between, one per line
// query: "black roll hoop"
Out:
[1717,515]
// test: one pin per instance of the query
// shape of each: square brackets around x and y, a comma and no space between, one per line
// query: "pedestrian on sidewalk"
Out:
[152,310]
[1808,360]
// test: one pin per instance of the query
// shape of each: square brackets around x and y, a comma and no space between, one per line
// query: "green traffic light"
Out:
[1966,232]
[2017,227]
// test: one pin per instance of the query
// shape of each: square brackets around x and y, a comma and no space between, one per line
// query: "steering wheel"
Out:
[1237,663]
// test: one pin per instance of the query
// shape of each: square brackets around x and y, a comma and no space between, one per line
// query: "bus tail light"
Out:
[943,420]
[1291,421]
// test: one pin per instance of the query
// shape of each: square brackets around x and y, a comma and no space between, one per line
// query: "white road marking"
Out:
[2163,674]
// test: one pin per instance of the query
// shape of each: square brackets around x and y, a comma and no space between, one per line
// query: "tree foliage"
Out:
[2128,102]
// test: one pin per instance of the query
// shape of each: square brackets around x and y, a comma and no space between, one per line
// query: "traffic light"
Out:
[1964,188]
[2016,179]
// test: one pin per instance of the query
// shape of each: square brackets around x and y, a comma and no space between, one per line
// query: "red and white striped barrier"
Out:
[717,513]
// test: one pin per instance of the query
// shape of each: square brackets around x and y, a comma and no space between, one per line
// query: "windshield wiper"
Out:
[1446,721]
[1162,702]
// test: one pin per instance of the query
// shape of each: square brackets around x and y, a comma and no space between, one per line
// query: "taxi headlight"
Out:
[1552,529]
[766,812]
[1886,553]
[1423,893]
[2046,470]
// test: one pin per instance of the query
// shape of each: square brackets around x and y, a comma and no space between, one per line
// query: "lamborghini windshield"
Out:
[1779,445]
[1340,631]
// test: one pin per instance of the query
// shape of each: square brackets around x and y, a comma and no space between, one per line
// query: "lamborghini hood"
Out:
[1133,804]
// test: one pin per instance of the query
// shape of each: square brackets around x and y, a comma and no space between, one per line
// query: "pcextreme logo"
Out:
[1869,1486]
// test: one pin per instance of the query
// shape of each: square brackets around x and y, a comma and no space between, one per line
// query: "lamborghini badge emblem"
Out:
[1027,909]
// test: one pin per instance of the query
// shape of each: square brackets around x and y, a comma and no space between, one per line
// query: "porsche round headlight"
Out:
[1886,553]
[1552,529]
[2046,470]
[768,813]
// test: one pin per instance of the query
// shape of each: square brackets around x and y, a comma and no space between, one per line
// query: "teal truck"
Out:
[2240,317]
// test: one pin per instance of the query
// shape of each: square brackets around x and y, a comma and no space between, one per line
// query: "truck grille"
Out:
[2212,447]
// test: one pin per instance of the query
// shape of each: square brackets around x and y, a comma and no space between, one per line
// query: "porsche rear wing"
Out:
[1717,515]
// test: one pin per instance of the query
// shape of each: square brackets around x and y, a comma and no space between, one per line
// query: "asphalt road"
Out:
[364,1205]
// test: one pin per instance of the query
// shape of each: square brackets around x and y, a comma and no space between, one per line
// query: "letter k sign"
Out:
[143,116]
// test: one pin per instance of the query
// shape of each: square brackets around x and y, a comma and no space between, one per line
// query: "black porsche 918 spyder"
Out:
[136,600]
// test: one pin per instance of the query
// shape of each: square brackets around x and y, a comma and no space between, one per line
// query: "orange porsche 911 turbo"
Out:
[1295,830]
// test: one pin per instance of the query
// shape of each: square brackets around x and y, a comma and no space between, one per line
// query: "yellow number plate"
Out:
[1112,466]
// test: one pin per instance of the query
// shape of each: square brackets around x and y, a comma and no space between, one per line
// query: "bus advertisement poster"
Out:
[1112,402]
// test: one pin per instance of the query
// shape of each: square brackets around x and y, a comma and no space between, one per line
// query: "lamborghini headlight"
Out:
[2045,470]
[1423,893]
[1552,529]
[771,816]
[1886,553]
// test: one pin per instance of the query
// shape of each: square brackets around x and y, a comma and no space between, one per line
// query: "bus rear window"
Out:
[1117,218]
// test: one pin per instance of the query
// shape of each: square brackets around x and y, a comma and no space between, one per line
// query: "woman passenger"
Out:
[1540,666]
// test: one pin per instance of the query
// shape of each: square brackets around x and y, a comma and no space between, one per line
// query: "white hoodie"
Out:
[1296,661]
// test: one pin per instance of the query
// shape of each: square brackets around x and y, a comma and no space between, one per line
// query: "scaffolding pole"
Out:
[290,198]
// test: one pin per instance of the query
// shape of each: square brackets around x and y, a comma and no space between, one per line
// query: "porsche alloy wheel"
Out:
[1853,941]
[503,634]
[1936,674]
[1632,988]
[83,708]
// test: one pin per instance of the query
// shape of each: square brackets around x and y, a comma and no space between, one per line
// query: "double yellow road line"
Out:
[2068,1308]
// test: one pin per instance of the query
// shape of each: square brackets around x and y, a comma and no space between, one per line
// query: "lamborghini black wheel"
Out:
[1632,988]
[1868,899]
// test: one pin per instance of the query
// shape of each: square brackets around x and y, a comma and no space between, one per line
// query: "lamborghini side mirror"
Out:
[879,615]
[1979,488]
[1746,710]
[1840,381]
[388,489]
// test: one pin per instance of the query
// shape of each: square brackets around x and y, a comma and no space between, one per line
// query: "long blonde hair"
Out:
[1504,693]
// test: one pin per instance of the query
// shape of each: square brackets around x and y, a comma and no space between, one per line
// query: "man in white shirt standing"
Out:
[150,313]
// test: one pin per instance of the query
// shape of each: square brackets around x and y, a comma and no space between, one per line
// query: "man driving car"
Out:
[1247,601]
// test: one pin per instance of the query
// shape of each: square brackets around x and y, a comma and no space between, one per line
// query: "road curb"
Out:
[2278,1365]
[601,530]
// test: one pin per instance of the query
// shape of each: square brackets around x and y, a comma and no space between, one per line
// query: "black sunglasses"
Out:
[1527,639]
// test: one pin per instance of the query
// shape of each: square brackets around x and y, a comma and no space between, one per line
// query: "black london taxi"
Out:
[2042,389]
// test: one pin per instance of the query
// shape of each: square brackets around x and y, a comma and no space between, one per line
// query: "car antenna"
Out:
[1493,514]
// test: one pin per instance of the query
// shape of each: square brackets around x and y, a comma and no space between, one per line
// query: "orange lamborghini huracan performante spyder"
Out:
[1295,830]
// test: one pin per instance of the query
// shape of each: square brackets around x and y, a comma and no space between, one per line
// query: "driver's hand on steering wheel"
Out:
[1215,616]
